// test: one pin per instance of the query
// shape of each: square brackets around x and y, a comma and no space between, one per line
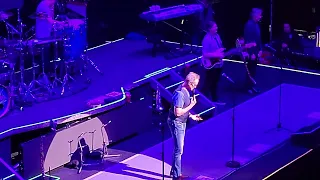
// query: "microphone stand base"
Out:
[111,155]
[233,164]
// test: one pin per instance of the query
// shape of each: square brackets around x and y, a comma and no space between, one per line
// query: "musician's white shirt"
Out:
[43,26]
[210,43]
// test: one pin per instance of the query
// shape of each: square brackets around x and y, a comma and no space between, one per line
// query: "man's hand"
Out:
[284,45]
[219,53]
[260,54]
[195,117]
[245,54]
[193,101]
[253,57]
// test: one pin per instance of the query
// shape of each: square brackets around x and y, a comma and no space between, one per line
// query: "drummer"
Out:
[45,19]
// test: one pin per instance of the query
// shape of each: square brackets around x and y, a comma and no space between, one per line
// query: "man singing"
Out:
[252,34]
[212,52]
[182,102]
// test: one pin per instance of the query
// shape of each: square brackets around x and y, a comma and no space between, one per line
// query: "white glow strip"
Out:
[235,61]
[8,177]
[277,67]
[107,42]
[301,71]
[269,66]
[287,164]
[205,111]
[174,85]
[172,42]
[140,80]
[50,176]
[157,72]
[95,47]
[194,59]
[68,116]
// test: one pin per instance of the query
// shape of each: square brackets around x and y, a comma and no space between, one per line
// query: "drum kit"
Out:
[68,46]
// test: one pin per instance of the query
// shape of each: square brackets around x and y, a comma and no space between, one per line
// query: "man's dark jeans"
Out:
[178,130]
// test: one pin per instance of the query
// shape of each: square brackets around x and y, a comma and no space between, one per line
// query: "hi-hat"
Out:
[5,15]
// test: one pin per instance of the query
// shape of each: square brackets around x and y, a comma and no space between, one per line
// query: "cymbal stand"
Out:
[20,26]
[34,80]
[67,77]
[10,29]
[84,55]
[24,90]
[43,76]
[56,80]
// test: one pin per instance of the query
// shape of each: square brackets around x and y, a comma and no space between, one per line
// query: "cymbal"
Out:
[5,15]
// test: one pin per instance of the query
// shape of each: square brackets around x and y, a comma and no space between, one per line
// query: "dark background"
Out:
[112,19]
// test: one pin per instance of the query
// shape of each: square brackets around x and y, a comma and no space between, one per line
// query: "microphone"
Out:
[193,95]
[229,79]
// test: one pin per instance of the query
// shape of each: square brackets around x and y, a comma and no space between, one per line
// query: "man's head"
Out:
[192,80]
[205,3]
[212,27]
[50,2]
[256,14]
[286,28]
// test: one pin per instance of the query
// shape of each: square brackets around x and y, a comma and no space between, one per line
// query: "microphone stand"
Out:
[233,163]
[81,163]
[105,153]
[279,124]
[157,111]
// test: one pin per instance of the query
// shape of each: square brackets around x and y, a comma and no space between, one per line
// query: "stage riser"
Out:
[56,146]
[304,167]
[309,138]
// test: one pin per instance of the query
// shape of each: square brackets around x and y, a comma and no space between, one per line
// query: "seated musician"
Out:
[45,19]
[212,52]
[45,24]
[289,41]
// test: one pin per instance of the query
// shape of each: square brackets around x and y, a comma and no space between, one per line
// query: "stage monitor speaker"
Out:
[307,136]
[58,147]
[5,155]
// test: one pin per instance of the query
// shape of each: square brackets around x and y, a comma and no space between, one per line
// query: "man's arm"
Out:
[250,37]
[178,104]
[206,53]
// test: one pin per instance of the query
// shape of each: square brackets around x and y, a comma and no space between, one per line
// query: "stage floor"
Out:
[208,145]
[122,63]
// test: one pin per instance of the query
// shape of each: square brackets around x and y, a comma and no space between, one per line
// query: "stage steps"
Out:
[167,84]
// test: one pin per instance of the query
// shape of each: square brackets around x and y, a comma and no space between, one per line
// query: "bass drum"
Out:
[4,101]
